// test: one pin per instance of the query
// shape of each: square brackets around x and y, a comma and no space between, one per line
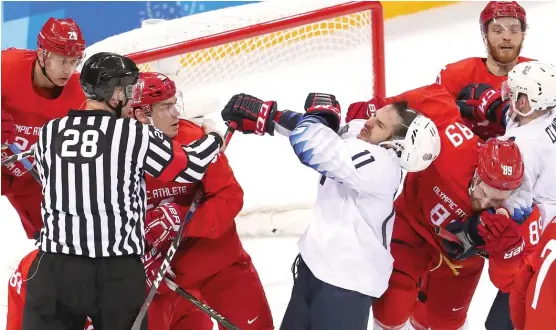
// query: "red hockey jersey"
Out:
[211,241]
[455,76]
[533,298]
[30,109]
[439,194]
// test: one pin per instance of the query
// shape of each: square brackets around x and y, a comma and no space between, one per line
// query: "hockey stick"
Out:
[202,306]
[455,238]
[17,156]
[173,248]
[26,163]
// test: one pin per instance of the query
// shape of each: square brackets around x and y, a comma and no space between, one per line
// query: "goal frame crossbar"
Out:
[284,23]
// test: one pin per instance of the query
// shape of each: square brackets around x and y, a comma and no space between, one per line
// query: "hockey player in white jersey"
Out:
[344,259]
[531,121]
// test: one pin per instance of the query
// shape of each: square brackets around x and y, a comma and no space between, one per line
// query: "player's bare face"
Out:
[504,39]
[165,116]
[484,196]
[381,126]
[60,68]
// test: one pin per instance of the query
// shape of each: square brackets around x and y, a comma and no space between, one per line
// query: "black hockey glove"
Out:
[481,102]
[460,239]
[250,114]
[325,106]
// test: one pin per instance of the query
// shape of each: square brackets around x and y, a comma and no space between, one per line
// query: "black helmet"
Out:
[103,72]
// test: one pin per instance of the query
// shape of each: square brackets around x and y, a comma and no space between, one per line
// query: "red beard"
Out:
[504,57]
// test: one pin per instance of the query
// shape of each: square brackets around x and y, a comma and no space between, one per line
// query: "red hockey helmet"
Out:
[500,164]
[496,9]
[152,88]
[62,37]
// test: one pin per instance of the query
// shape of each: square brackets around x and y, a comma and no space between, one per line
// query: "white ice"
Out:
[417,47]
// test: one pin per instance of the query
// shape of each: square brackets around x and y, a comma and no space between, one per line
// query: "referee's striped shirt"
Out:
[92,167]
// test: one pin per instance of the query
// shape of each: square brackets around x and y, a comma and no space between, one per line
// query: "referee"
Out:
[92,166]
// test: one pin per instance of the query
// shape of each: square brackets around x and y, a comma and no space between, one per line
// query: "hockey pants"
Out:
[316,305]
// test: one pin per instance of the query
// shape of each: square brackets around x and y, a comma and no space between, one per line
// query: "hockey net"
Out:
[279,50]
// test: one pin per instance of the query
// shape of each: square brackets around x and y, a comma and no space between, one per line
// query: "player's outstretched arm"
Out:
[169,161]
[481,102]
[317,145]
[255,116]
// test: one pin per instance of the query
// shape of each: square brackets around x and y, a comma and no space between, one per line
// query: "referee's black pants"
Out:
[62,290]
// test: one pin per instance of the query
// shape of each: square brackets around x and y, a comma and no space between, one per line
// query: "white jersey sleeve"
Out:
[350,162]
[537,143]
[348,244]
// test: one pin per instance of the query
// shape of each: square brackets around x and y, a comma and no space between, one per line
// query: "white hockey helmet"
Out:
[420,147]
[535,79]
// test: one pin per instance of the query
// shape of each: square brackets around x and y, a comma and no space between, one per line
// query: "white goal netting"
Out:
[279,50]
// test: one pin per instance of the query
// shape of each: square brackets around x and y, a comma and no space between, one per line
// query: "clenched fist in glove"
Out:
[501,236]
[480,102]
[161,225]
[324,106]
[152,260]
[250,114]
[364,110]
[493,233]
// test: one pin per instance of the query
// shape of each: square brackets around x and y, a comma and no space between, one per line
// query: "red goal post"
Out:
[280,50]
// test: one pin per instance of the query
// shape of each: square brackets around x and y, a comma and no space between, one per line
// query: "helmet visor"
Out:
[63,63]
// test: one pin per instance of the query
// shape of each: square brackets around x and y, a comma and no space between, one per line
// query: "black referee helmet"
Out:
[103,72]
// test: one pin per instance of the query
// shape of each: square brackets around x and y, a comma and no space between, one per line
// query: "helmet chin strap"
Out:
[43,69]
[118,108]
[396,145]
[473,183]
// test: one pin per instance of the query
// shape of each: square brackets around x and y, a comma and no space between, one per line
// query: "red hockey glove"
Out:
[8,129]
[250,114]
[501,235]
[325,106]
[481,102]
[518,295]
[152,260]
[364,110]
[161,225]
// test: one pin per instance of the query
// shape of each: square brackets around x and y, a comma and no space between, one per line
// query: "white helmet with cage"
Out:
[535,79]
[420,146]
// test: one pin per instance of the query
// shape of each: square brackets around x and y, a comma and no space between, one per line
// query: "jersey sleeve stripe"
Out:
[384,229]
[363,153]
[184,177]
[196,176]
[154,168]
[159,152]
[177,163]
[204,147]
[364,162]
